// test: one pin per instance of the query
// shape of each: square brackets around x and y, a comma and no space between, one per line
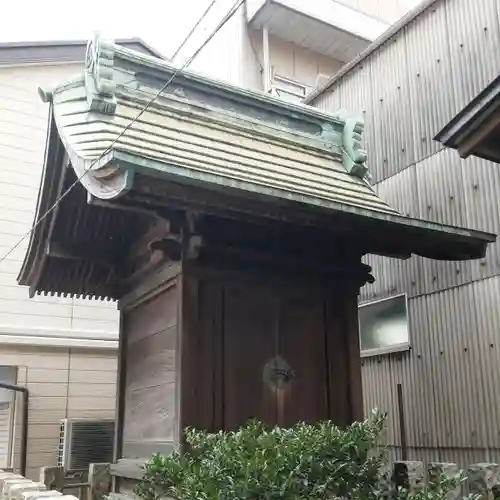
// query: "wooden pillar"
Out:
[354,358]
[266,72]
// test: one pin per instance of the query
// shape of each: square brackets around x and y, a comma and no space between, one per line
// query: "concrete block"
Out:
[484,478]
[34,495]
[16,489]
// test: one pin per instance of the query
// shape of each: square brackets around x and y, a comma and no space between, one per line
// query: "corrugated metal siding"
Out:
[461,456]
[474,39]
[431,89]
[450,377]
[440,197]
[391,110]
[407,90]
[481,194]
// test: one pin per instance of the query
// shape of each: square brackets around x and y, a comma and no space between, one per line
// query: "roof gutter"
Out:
[471,117]
[393,30]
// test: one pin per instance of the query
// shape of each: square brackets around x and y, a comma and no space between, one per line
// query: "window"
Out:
[383,326]
[288,90]
[8,375]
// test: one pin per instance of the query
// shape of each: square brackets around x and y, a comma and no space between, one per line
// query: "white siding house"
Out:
[288,46]
[63,350]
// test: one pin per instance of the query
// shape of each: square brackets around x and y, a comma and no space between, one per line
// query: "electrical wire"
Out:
[226,18]
[193,29]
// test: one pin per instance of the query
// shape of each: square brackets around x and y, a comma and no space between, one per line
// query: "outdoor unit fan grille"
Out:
[83,442]
[60,449]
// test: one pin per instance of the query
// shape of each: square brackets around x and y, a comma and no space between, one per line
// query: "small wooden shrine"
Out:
[230,227]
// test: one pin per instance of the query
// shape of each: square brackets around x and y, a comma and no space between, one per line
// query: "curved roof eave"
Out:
[281,159]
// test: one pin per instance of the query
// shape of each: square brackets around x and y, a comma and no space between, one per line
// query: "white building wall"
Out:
[291,61]
[235,54]
[222,56]
[388,11]
[23,127]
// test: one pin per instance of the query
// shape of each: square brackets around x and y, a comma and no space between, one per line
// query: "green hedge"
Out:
[306,461]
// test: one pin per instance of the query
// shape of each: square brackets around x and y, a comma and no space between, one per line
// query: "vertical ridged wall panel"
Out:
[451,375]
[441,199]
[432,100]
[487,341]
[482,198]
[395,147]
[474,40]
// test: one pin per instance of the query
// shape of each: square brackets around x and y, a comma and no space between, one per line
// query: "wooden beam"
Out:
[80,251]
[269,215]
[354,356]
[151,286]
[469,145]
[234,256]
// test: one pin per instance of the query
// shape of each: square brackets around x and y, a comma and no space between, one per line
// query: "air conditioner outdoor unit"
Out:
[83,442]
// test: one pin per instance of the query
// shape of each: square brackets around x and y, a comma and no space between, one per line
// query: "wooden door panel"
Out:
[201,395]
[302,344]
[249,343]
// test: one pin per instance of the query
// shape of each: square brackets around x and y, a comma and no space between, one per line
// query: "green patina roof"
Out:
[218,136]
[228,136]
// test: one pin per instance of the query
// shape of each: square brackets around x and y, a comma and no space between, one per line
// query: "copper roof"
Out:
[207,134]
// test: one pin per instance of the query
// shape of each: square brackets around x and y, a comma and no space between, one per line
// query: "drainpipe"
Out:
[266,73]
[402,425]
[24,435]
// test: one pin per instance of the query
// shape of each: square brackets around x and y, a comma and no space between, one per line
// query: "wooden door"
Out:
[264,324]
[302,344]
[237,332]
[249,342]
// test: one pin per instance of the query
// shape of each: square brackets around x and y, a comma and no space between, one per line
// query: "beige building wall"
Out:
[288,60]
[23,128]
[235,53]
[39,335]
[62,383]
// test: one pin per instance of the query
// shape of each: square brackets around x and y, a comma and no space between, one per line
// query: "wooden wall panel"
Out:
[150,342]
[201,380]
[338,363]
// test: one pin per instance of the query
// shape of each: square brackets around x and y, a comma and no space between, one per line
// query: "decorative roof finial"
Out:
[99,75]
[354,155]
[46,95]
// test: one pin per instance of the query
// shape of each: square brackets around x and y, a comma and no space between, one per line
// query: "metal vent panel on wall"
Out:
[83,442]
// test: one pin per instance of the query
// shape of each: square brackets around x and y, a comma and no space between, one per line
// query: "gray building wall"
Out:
[407,90]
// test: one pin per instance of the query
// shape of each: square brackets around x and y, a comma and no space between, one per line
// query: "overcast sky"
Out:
[161,23]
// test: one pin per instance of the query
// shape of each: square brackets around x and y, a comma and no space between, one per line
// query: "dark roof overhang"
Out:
[475,130]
